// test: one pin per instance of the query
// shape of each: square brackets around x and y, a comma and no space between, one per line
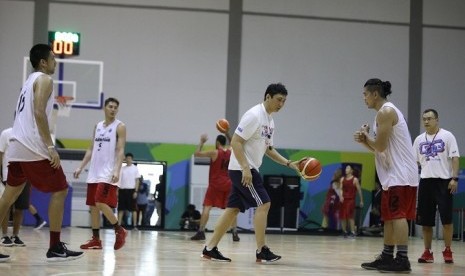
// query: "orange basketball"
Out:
[222,125]
[310,168]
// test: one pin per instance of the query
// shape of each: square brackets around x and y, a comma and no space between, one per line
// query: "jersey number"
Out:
[21,103]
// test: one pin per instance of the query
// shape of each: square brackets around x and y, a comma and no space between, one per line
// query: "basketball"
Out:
[310,168]
[222,125]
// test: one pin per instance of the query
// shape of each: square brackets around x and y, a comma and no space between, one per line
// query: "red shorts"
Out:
[216,198]
[399,202]
[102,193]
[347,210]
[39,173]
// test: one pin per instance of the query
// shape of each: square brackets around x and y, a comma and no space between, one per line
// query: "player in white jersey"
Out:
[438,155]
[252,139]
[397,172]
[106,155]
[21,203]
[31,154]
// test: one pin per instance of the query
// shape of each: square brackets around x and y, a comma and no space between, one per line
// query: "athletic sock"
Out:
[402,251]
[388,250]
[37,217]
[54,238]
[96,233]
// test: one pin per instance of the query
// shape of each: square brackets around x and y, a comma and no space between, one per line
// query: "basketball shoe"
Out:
[235,236]
[6,241]
[40,224]
[426,257]
[214,255]
[381,259]
[94,243]
[447,254]
[199,236]
[59,253]
[266,256]
[17,241]
[120,239]
[399,265]
[4,258]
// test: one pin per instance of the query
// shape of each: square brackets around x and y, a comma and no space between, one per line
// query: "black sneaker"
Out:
[6,241]
[40,224]
[4,258]
[235,237]
[214,255]
[199,236]
[266,256]
[17,241]
[399,265]
[59,253]
[381,259]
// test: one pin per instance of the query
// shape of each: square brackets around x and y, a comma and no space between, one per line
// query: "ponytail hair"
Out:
[383,87]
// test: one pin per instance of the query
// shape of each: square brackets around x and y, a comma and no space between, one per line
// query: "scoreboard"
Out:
[64,43]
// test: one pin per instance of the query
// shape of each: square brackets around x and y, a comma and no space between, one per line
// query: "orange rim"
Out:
[63,99]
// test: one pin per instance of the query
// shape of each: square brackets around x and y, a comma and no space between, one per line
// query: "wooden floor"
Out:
[173,253]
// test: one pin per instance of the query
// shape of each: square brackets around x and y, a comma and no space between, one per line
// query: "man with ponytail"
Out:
[397,171]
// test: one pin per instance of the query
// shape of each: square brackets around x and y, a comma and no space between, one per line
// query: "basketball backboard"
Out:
[80,79]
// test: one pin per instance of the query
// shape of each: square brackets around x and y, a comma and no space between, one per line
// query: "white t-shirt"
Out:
[128,177]
[435,157]
[257,128]
[396,166]
[103,158]
[4,142]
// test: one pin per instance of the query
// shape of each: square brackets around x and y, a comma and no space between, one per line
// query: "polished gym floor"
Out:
[173,253]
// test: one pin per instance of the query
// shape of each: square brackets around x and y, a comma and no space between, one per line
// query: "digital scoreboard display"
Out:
[64,43]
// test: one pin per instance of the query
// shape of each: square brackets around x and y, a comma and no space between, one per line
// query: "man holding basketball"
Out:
[397,171]
[31,154]
[252,139]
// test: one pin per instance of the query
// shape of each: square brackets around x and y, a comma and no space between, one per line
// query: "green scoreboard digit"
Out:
[64,43]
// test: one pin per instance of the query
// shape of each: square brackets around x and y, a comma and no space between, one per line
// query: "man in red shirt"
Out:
[219,184]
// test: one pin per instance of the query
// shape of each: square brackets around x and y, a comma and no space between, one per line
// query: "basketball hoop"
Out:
[64,104]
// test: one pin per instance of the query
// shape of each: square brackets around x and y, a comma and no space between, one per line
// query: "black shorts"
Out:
[244,198]
[22,202]
[125,200]
[434,192]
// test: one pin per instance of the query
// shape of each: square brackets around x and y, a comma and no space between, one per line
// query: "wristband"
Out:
[50,147]
[455,179]
[288,163]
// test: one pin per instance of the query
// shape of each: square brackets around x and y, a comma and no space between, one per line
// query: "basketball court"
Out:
[173,253]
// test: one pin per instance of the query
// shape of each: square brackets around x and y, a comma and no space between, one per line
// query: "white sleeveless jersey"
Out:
[25,128]
[397,166]
[103,158]
[4,142]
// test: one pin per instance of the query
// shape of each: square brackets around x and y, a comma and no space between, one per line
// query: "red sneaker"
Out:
[427,257]
[447,254]
[120,239]
[92,244]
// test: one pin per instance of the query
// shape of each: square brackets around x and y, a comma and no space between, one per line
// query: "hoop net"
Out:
[64,104]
